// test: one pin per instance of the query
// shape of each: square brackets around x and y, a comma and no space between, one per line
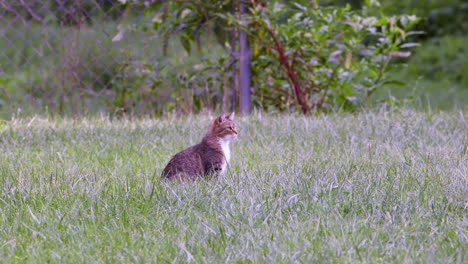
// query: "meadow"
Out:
[370,187]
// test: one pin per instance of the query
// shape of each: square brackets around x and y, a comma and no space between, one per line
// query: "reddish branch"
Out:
[290,71]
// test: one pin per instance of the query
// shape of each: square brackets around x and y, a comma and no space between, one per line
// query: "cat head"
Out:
[223,127]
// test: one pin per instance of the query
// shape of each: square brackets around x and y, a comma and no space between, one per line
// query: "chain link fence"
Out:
[59,55]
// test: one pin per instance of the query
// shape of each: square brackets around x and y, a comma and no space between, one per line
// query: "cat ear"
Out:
[231,116]
[219,120]
[222,118]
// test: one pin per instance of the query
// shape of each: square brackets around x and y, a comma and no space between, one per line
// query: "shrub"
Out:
[337,56]
[436,73]
[303,57]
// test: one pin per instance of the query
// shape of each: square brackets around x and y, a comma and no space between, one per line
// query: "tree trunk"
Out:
[244,65]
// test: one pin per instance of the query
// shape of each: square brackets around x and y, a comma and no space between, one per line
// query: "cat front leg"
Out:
[217,169]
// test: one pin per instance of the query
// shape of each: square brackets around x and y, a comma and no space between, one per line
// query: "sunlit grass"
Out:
[370,187]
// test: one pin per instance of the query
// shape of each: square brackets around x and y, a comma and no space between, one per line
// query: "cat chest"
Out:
[227,154]
[226,151]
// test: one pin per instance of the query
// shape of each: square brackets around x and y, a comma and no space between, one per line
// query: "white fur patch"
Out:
[226,150]
[224,142]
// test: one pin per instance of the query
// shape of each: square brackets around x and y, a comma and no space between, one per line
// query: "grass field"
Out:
[379,187]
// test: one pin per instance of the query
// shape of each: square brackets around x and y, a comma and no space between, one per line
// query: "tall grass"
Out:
[370,187]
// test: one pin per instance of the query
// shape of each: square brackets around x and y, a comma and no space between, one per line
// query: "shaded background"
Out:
[58,57]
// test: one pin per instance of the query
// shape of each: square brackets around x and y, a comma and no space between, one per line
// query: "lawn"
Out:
[379,186]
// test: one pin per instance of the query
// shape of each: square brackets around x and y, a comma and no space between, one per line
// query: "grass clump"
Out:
[368,187]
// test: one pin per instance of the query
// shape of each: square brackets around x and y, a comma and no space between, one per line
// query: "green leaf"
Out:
[366,52]
[409,45]
[373,73]
[300,6]
[220,32]
[411,33]
[395,82]
[4,80]
[186,42]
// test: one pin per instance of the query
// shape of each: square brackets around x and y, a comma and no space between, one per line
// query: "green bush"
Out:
[439,17]
[338,56]
[303,57]
[436,74]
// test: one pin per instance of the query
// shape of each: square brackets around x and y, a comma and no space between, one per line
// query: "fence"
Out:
[59,56]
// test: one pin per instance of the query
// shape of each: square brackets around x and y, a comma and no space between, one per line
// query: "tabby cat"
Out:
[209,157]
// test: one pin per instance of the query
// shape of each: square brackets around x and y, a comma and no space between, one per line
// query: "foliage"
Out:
[73,70]
[322,58]
[200,86]
[442,58]
[372,187]
[338,56]
[193,27]
[439,18]
[58,68]
[134,76]
[436,74]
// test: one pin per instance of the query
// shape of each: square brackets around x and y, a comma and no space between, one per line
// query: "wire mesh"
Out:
[61,53]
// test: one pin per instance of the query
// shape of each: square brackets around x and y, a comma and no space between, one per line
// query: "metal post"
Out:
[244,65]
[234,59]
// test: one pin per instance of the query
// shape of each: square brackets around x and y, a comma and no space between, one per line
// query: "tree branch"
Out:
[290,72]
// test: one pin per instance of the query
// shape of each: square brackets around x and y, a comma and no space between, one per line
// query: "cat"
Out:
[209,157]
